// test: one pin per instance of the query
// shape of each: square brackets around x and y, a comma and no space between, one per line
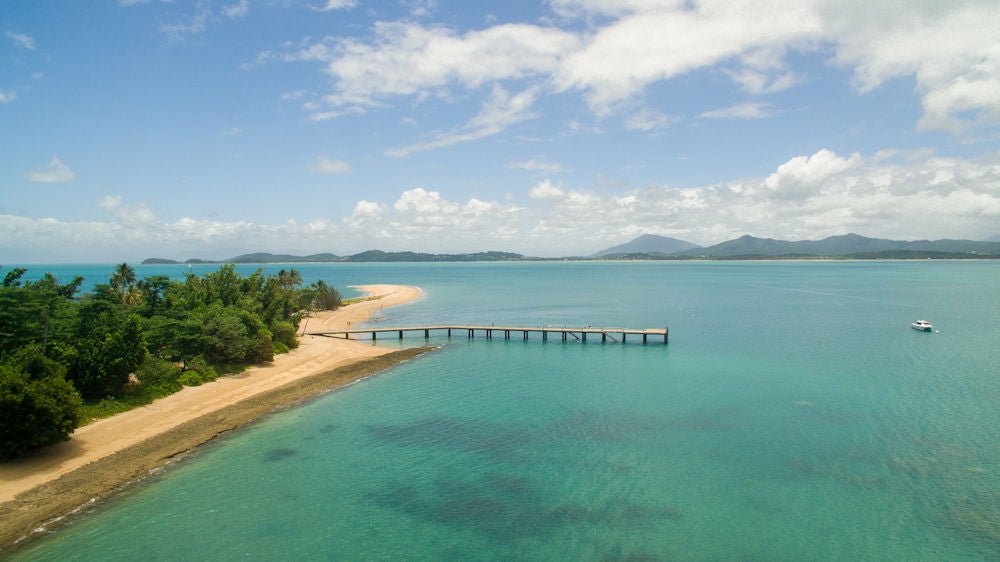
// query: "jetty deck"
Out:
[617,335]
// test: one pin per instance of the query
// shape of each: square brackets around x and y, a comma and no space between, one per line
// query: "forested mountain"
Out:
[842,246]
[648,244]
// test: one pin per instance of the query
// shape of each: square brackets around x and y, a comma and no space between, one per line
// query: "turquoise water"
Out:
[794,416]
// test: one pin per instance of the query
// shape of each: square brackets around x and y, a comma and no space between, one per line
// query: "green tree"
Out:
[106,350]
[123,284]
[37,405]
[324,297]
[13,277]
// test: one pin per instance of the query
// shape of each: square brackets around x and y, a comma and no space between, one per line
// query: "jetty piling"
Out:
[579,334]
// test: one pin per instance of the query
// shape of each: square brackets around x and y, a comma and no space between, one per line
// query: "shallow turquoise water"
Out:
[794,416]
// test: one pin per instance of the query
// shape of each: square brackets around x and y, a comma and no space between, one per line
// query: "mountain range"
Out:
[653,247]
[847,245]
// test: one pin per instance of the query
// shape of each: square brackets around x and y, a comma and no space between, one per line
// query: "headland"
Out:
[103,457]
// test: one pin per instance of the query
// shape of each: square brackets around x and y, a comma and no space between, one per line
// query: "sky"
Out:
[141,128]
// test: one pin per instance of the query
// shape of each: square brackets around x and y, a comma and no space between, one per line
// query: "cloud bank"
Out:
[892,194]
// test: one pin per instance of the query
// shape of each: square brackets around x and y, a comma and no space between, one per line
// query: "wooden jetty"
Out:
[579,334]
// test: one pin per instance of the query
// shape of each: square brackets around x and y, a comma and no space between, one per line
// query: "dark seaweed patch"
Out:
[476,436]
[508,507]
[278,454]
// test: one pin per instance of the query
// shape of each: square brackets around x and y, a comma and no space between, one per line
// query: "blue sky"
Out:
[136,128]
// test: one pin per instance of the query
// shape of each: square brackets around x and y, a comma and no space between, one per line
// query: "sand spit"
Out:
[106,455]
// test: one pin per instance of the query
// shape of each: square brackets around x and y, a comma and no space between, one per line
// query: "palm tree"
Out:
[289,279]
[123,282]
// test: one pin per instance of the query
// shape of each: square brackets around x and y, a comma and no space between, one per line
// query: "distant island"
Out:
[653,247]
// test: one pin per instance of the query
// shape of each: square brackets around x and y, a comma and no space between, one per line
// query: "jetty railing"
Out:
[505,331]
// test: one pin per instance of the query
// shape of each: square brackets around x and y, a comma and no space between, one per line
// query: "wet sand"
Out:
[104,456]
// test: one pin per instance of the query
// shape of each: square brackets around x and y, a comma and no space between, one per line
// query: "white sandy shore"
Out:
[314,355]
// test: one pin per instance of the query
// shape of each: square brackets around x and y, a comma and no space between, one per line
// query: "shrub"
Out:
[160,374]
[206,371]
[279,348]
[284,332]
[190,378]
[263,349]
[38,406]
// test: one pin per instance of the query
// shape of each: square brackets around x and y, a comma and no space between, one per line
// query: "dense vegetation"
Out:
[66,358]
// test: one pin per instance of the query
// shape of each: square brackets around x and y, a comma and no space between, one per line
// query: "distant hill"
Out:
[380,256]
[848,245]
[648,244]
[369,256]
[652,247]
[262,257]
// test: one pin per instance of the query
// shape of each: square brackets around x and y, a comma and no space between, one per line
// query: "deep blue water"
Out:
[794,416]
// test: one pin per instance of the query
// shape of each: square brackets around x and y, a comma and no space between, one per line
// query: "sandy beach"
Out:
[105,455]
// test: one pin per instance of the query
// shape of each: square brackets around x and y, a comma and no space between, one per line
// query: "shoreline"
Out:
[106,456]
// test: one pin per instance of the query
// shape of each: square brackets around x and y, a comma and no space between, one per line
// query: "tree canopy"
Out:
[134,339]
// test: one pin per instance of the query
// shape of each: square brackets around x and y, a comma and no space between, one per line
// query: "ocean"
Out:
[794,415]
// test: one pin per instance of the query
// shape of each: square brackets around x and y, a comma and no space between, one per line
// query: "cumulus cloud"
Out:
[56,172]
[893,194]
[802,175]
[407,59]
[545,189]
[21,40]
[326,165]
[612,51]
[421,213]
[652,44]
[951,49]
[7,96]
[500,111]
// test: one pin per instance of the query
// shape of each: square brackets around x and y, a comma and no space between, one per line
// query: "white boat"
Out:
[922,325]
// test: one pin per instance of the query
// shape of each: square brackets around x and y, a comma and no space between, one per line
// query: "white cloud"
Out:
[952,49]
[420,214]
[748,110]
[419,8]
[331,5]
[803,175]
[56,172]
[21,40]
[545,189]
[233,132]
[137,214]
[891,194]
[533,165]
[638,49]
[7,96]
[236,11]
[293,96]
[406,59]
[648,120]
[499,112]
[194,24]
[326,165]
[368,209]
[623,47]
